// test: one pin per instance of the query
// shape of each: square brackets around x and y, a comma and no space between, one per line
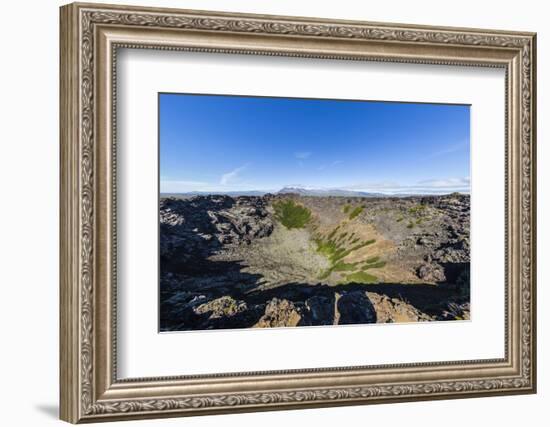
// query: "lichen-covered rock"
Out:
[394,310]
[221,307]
[431,272]
[279,313]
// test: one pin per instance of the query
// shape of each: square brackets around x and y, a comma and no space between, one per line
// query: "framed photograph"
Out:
[266,212]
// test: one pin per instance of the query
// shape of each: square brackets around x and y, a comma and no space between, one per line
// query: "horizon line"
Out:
[356,193]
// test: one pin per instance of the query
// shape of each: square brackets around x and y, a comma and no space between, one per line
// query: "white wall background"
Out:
[29,170]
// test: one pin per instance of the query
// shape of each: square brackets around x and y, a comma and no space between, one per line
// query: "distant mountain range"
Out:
[224,193]
[335,192]
[312,192]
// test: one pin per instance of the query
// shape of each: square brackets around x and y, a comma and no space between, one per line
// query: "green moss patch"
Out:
[418,209]
[356,212]
[378,264]
[291,214]
[359,277]
[342,266]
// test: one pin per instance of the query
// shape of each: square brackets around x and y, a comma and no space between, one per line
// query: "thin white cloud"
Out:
[187,183]
[451,149]
[379,185]
[431,186]
[181,186]
[334,163]
[232,176]
[178,187]
[444,183]
[302,154]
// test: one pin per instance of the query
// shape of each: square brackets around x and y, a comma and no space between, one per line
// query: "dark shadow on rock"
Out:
[426,298]
[316,304]
[191,231]
[355,308]
[179,301]
[319,311]
[185,245]
[453,270]
[429,299]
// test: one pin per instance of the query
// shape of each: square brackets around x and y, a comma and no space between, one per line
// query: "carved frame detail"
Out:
[81,399]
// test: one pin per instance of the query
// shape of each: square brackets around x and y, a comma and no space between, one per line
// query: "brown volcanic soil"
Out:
[227,262]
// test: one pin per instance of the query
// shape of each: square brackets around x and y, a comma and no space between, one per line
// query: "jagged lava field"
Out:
[295,260]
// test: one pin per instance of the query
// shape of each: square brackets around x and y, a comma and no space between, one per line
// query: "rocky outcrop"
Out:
[221,307]
[320,310]
[431,272]
[224,218]
[395,310]
[193,229]
[279,313]
[456,311]
[354,308]
[449,246]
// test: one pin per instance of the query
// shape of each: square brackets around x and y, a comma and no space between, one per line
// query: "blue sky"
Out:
[230,143]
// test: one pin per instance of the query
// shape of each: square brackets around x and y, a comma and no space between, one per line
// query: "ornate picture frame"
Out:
[90,37]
